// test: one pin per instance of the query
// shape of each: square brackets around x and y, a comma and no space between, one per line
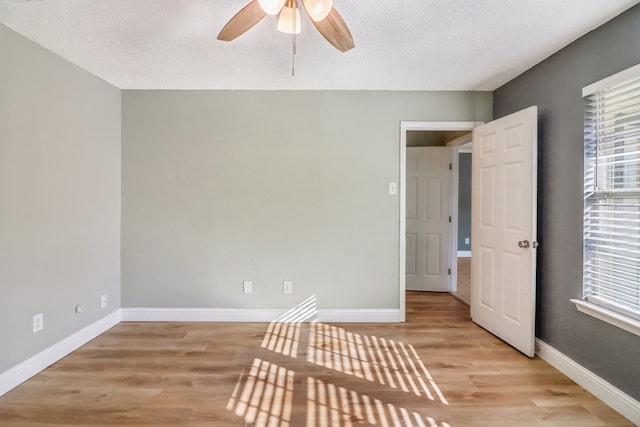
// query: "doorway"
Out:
[461,208]
[416,134]
[504,222]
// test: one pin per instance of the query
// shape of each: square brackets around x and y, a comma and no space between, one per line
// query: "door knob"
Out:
[524,244]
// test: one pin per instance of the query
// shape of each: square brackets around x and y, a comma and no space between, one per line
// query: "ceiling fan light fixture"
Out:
[322,13]
[318,9]
[288,17]
[272,7]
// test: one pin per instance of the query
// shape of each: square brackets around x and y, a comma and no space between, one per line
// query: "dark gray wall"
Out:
[555,86]
[464,200]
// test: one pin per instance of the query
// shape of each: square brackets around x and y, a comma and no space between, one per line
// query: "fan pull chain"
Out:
[293,47]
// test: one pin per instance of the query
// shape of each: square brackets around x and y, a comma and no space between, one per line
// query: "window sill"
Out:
[606,315]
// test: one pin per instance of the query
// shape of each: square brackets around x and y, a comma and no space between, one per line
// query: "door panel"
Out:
[504,172]
[412,240]
[427,213]
[433,198]
[412,197]
[432,243]
[486,291]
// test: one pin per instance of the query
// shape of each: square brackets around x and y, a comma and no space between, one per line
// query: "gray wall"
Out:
[464,201]
[555,86]
[223,186]
[59,197]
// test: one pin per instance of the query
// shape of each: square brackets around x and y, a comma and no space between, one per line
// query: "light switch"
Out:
[393,188]
[287,286]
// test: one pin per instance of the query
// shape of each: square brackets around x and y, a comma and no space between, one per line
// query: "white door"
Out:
[503,224]
[428,228]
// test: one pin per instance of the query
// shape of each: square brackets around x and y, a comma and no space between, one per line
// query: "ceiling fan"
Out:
[324,16]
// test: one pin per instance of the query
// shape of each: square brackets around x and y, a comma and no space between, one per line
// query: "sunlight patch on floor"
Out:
[331,405]
[283,334]
[264,396]
[367,356]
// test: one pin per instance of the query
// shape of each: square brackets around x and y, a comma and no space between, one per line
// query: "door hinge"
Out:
[449,272]
[450,166]
[449,218]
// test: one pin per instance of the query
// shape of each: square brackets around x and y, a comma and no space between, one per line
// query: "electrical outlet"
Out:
[287,287]
[79,308]
[247,286]
[466,240]
[103,301]
[38,322]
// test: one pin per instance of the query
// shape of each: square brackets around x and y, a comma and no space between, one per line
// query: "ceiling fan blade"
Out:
[335,30]
[249,16]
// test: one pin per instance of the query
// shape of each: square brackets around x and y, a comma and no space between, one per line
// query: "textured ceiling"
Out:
[400,44]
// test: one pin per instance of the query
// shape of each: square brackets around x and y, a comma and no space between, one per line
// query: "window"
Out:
[612,198]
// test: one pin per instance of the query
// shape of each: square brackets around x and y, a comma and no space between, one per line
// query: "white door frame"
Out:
[455,186]
[406,126]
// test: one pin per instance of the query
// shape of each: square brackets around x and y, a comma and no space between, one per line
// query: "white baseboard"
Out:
[37,363]
[47,357]
[147,314]
[612,396]
[144,314]
[381,315]
[464,254]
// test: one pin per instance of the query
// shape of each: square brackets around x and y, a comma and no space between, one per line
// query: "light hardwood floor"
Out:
[437,369]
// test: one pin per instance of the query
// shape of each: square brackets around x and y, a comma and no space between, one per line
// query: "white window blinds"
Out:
[612,197]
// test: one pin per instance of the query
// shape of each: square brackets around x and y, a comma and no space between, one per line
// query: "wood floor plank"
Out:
[437,369]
